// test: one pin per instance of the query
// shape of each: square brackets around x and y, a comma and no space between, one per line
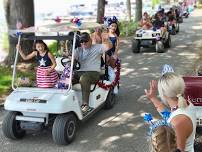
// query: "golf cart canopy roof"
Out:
[57,31]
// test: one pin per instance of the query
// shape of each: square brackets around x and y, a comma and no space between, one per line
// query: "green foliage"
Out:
[53,47]
[6,78]
[127,28]
[5,41]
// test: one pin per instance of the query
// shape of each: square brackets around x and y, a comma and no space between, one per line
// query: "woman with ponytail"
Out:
[182,118]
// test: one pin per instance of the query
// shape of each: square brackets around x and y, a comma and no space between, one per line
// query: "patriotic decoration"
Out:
[116,80]
[153,125]
[45,79]
[109,20]
[76,21]
[57,19]
[64,81]
[166,68]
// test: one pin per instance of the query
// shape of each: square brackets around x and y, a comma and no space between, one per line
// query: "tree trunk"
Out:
[18,11]
[100,11]
[129,10]
[138,11]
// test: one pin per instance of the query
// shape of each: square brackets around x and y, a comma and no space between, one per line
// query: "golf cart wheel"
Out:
[64,129]
[11,127]
[167,43]
[110,101]
[159,47]
[136,46]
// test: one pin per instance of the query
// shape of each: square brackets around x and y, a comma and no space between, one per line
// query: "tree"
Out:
[21,12]
[138,12]
[129,10]
[100,10]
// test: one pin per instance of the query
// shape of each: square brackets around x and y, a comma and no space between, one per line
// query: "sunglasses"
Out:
[84,41]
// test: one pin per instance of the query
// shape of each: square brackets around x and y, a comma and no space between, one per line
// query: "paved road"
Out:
[122,129]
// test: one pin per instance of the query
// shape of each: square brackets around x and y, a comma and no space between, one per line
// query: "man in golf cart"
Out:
[159,23]
[88,55]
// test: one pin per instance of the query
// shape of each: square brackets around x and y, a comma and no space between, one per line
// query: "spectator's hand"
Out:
[152,91]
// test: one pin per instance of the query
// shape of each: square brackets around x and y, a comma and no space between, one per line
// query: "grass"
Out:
[6,78]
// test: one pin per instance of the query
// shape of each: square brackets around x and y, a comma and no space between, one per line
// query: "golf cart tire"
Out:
[110,101]
[135,46]
[160,47]
[167,44]
[11,127]
[64,129]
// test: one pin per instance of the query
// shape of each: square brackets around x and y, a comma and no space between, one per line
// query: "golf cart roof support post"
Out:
[15,62]
[72,60]
[57,44]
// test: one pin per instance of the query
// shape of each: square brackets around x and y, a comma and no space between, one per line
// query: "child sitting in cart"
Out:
[46,75]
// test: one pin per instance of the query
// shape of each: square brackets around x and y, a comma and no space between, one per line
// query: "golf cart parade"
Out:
[156,30]
[35,108]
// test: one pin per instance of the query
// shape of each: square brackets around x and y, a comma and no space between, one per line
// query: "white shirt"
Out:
[189,112]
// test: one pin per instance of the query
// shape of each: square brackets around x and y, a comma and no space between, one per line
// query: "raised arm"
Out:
[26,57]
[151,95]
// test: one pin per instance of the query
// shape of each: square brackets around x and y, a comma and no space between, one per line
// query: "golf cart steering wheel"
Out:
[65,61]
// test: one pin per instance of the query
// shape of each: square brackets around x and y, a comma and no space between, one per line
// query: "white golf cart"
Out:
[32,108]
[146,38]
